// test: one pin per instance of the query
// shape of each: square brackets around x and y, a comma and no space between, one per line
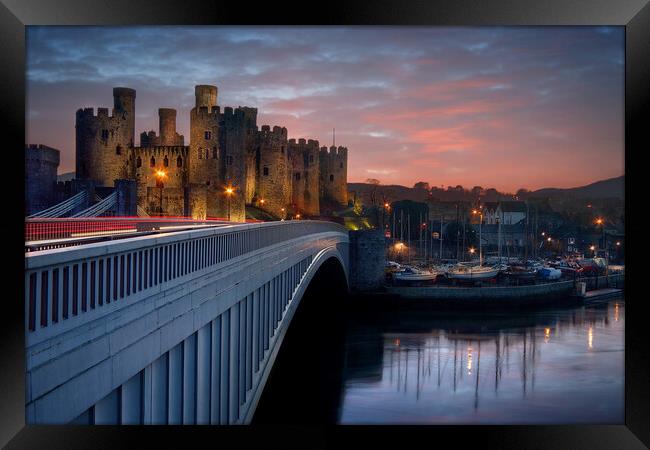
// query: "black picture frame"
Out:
[16,14]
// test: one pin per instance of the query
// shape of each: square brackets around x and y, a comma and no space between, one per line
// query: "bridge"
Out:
[176,325]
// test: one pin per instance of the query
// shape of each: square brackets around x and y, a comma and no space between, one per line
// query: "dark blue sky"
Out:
[496,107]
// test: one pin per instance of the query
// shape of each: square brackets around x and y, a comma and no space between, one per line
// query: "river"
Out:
[552,366]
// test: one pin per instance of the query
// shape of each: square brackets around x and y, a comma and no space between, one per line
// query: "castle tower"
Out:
[204,149]
[41,164]
[167,126]
[103,142]
[334,174]
[124,106]
[305,164]
[205,95]
[273,175]
[233,139]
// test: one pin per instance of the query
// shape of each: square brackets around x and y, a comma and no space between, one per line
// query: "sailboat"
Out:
[415,274]
[464,272]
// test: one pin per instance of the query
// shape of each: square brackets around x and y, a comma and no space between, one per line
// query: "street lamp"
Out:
[229,191]
[480,243]
[262,201]
[600,221]
[160,176]
[283,215]
[297,216]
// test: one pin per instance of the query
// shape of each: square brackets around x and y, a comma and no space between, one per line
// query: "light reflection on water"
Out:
[555,367]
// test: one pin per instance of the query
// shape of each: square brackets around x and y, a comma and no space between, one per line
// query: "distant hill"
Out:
[65,176]
[610,188]
[604,189]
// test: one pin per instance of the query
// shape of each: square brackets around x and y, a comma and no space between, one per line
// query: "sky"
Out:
[507,107]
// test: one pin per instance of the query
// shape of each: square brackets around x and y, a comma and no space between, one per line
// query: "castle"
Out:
[228,164]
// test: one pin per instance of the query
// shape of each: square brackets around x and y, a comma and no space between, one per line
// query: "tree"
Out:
[422,185]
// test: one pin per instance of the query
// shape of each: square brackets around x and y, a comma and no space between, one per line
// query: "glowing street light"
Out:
[229,191]
[472,250]
[160,176]
[549,239]
[262,201]
[480,241]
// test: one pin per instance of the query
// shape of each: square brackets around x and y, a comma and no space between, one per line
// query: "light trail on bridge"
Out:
[49,233]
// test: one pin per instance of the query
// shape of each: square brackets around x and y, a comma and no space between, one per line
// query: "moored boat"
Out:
[415,274]
[462,272]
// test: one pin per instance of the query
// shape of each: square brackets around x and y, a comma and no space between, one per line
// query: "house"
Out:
[506,212]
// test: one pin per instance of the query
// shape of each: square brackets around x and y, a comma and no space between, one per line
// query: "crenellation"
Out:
[226,150]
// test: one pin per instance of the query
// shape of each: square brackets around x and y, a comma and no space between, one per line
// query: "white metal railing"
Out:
[68,282]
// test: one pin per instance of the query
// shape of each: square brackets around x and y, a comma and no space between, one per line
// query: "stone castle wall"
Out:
[226,150]
[41,165]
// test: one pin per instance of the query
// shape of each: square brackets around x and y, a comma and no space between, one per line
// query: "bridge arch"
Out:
[305,384]
[194,323]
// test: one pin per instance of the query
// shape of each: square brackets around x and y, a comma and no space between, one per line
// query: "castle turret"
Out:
[273,190]
[205,95]
[334,174]
[305,163]
[167,126]
[41,164]
[124,106]
[103,142]
[204,149]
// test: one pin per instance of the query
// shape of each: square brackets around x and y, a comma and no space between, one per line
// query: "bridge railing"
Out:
[62,286]
[43,229]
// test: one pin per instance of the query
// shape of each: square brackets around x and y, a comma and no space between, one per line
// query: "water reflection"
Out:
[553,366]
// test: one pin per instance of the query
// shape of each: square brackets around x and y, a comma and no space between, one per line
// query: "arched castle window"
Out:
[341,165]
[282,148]
[118,150]
[331,177]
[138,162]
[208,135]
[215,153]
[229,160]
[266,171]
[179,162]
[297,176]
[152,162]
[166,161]
[200,153]
[104,134]
[311,158]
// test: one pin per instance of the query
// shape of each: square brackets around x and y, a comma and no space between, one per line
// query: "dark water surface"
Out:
[556,366]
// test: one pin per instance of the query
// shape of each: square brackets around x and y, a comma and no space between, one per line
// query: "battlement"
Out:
[161,149]
[204,111]
[278,132]
[334,151]
[88,114]
[42,153]
[308,143]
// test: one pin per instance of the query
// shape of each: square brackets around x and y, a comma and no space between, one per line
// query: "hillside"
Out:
[610,188]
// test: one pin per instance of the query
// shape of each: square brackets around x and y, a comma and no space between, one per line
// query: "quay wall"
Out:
[471,293]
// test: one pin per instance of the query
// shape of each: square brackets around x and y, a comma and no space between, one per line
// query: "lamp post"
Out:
[480,242]
[601,222]
[283,214]
[160,176]
[229,191]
